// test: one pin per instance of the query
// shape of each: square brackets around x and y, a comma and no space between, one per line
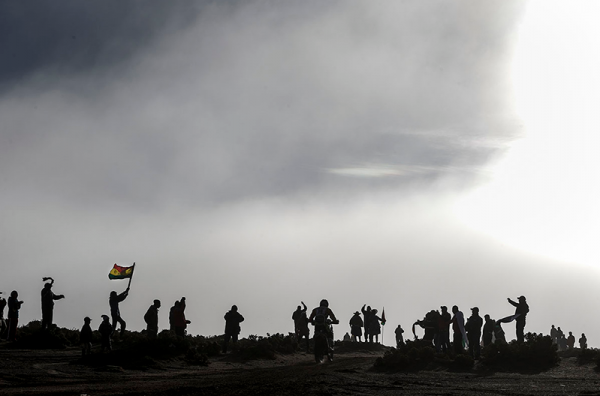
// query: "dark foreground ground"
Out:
[57,372]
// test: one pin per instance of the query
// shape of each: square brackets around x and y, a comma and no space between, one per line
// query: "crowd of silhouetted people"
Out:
[108,326]
[439,326]
[564,342]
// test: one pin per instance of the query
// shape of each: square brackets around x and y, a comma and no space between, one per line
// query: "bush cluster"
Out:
[137,350]
[536,354]
[259,347]
[31,336]
[585,356]
[420,355]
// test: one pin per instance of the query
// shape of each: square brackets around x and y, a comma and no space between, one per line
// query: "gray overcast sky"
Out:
[261,153]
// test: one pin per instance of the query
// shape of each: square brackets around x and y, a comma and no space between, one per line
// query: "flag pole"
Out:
[132,271]
[383,330]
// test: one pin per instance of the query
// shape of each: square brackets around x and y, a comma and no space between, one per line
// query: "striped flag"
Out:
[118,272]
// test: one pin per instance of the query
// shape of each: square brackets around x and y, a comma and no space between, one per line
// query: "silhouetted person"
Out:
[553,334]
[173,308]
[583,341]
[85,337]
[179,321]
[473,329]
[522,309]
[444,321]
[562,343]
[356,325]
[232,326]
[106,331]
[458,329]
[429,324]
[114,301]
[559,337]
[3,326]
[571,340]
[48,298]
[367,320]
[318,317]
[301,324]
[399,337]
[14,305]
[488,330]
[499,333]
[374,327]
[151,319]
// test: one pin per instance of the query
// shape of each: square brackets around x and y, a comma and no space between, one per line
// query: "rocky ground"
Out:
[61,372]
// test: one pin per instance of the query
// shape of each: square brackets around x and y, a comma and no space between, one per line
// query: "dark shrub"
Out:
[536,354]
[259,347]
[414,355]
[31,336]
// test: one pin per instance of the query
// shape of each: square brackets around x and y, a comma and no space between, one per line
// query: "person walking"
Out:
[151,319]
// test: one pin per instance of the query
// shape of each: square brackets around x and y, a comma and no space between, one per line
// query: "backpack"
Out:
[321,316]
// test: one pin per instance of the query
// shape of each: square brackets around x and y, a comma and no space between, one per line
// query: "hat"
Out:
[87,319]
[356,313]
[104,316]
[475,309]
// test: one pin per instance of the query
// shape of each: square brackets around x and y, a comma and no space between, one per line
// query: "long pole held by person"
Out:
[382,324]
[131,277]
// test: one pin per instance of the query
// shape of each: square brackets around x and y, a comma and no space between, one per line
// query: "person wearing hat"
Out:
[105,330]
[151,319]
[356,325]
[85,337]
[473,329]
[522,309]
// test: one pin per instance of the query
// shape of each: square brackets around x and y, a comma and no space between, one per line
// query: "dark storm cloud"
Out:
[77,37]
[123,104]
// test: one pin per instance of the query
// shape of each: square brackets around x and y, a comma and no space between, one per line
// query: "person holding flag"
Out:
[119,272]
[375,326]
